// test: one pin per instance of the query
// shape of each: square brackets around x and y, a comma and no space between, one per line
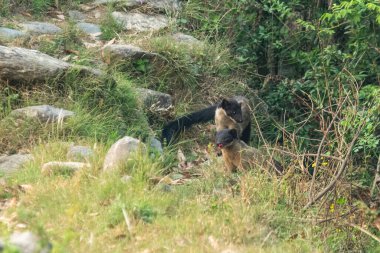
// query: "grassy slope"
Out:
[83,212]
[249,212]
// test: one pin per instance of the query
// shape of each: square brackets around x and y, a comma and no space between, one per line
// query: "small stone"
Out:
[44,113]
[40,28]
[127,52]
[63,167]
[77,15]
[184,38]
[27,242]
[90,29]
[156,145]
[13,163]
[154,100]
[121,151]
[140,22]
[80,153]
[9,34]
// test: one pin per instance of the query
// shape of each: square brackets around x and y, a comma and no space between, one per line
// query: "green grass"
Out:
[109,26]
[84,212]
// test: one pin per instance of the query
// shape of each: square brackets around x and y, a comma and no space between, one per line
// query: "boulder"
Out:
[25,64]
[121,151]
[39,28]
[154,100]
[127,52]
[43,113]
[9,34]
[13,163]
[63,167]
[140,22]
[21,64]
[80,153]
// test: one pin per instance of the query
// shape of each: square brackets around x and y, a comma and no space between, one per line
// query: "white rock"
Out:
[121,151]
[44,113]
[59,167]
[27,242]
[154,100]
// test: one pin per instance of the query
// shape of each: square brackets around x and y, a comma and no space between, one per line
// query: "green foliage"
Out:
[109,26]
[67,41]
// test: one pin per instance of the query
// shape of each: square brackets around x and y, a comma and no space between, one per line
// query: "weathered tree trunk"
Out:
[25,65]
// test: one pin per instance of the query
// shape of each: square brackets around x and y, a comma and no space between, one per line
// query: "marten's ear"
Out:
[233,133]
[225,103]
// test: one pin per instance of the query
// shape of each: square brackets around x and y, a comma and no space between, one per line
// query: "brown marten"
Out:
[231,113]
[239,156]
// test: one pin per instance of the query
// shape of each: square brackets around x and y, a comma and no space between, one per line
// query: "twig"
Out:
[127,221]
[365,231]
[306,154]
[340,171]
[376,176]
[320,148]
[266,238]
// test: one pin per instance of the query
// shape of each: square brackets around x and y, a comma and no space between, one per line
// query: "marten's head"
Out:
[232,109]
[226,137]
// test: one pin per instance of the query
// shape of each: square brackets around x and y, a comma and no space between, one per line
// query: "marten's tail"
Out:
[173,128]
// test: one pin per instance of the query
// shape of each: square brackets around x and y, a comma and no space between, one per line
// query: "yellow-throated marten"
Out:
[232,113]
[238,155]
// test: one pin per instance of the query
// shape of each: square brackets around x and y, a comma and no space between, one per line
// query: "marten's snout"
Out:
[220,145]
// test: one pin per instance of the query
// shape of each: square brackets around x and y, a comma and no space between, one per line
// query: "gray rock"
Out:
[77,15]
[156,145]
[21,64]
[140,22]
[154,100]
[160,5]
[127,52]
[27,242]
[43,113]
[184,38]
[40,28]
[9,34]
[120,151]
[90,29]
[80,153]
[63,167]
[13,163]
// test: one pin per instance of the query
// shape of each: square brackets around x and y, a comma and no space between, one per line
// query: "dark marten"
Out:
[232,113]
[239,156]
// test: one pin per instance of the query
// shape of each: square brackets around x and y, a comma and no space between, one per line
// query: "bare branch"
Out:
[320,147]
[340,171]
[376,179]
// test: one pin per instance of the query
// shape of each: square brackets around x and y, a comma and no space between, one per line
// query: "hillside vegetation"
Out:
[310,68]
